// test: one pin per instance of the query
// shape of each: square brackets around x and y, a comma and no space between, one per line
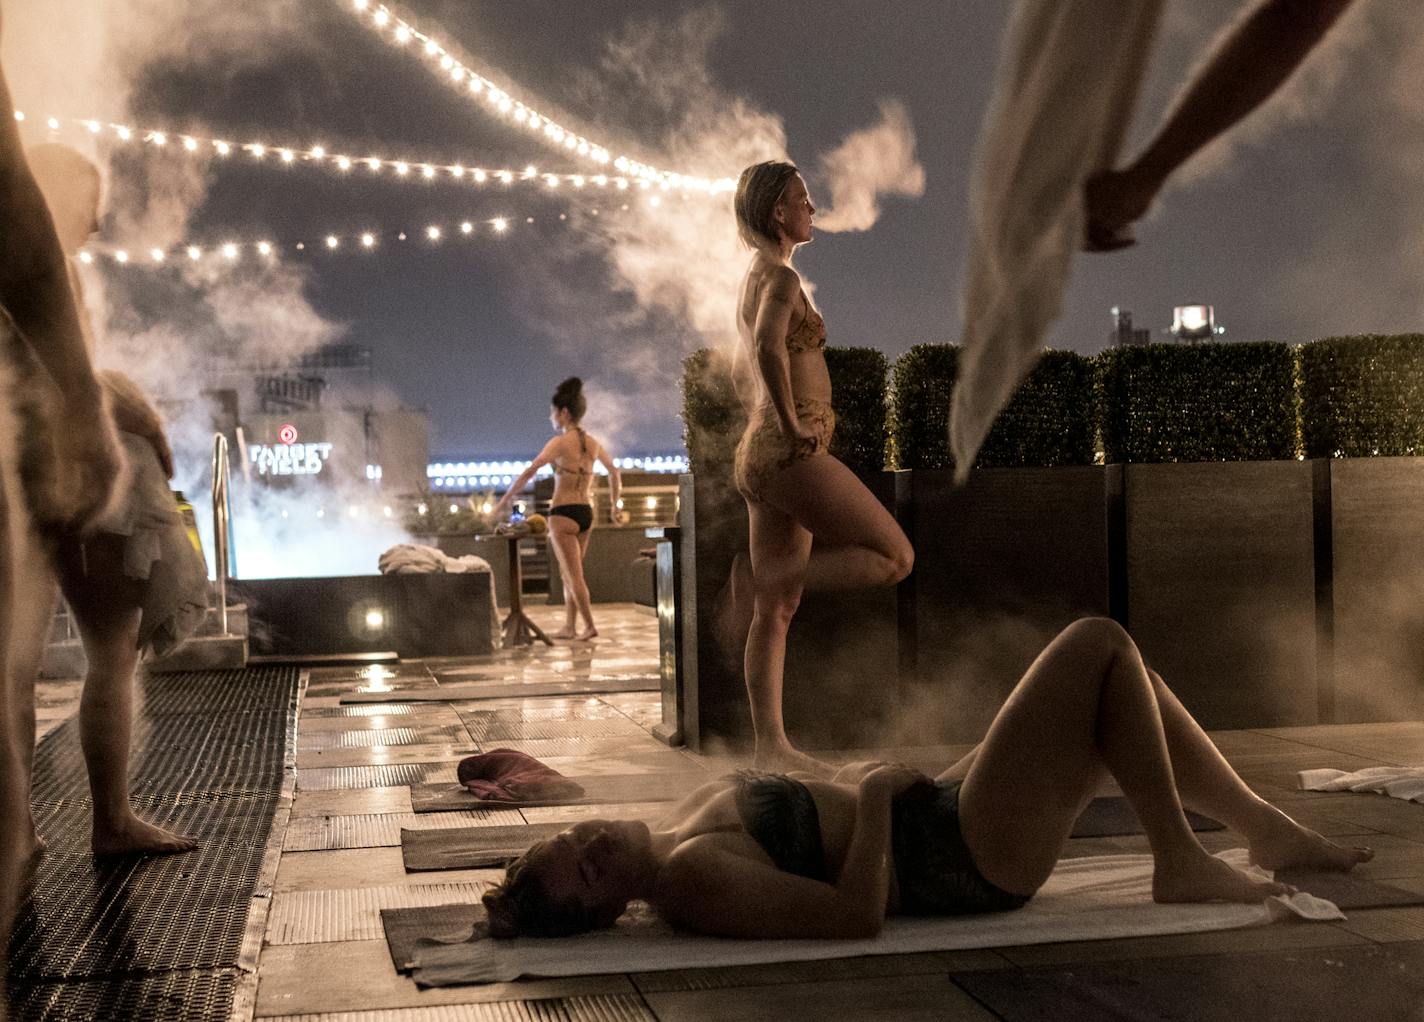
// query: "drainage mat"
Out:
[157,938]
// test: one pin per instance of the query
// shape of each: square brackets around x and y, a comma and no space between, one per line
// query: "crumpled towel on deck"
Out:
[1395,781]
[511,776]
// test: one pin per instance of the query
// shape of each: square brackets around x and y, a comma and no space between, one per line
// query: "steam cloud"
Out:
[875,161]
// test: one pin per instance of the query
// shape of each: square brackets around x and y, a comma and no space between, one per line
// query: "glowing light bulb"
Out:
[361,4]
[552,180]
[318,152]
[93,126]
[621,183]
[321,512]
[158,138]
[85,258]
[403,34]
[578,180]
[433,233]
[402,168]
[466,227]
[332,241]
[506,176]
[288,156]
[387,512]
[651,503]
[124,133]
[447,62]
[457,171]
[505,104]
[431,47]
[53,123]
[195,253]
[520,116]
[368,240]
[427,171]
[19,115]
[157,254]
[382,18]
[601,180]
[476,86]
[343,162]
[190,144]
[458,75]
[223,148]
[121,256]
[264,248]
[480,176]
[530,172]
[454,508]
[486,507]
[500,224]
[570,142]
[655,201]
[583,148]
[374,163]
[258,150]
[229,251]
[534,122]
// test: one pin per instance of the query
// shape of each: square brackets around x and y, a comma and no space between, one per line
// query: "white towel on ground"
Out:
[1068,79]
[1092,898]
[1395,781]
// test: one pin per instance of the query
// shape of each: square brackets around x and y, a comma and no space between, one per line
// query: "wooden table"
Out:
[518,630]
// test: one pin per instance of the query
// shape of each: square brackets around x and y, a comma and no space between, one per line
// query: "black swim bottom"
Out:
[580,514]
[935,872]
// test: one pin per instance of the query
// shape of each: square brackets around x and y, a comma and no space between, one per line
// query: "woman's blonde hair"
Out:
[758,191]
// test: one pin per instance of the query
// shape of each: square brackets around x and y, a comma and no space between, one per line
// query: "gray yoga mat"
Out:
[463,693]
[405,926]
[598,789]
[1349,891]
[471,847]
[1113,816]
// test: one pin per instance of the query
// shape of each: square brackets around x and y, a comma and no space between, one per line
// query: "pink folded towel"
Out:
[511,776]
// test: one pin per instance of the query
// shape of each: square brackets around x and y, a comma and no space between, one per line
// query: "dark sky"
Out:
[1311,226]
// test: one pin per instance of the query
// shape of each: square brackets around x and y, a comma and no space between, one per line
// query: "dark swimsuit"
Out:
[935,871]
[580,514]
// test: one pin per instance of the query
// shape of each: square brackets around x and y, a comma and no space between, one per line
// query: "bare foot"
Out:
[135,837]
[562,633]
[1288,845]
[785,759]
[1199,877]
[584,636]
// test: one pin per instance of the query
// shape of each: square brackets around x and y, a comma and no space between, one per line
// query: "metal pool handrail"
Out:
[222,511]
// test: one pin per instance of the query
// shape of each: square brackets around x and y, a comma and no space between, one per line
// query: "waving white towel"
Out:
[1068,79]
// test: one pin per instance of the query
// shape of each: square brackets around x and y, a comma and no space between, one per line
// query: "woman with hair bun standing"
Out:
[572,454]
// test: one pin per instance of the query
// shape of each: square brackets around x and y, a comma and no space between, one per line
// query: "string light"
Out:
[234,251]
[320,155]
[491,95]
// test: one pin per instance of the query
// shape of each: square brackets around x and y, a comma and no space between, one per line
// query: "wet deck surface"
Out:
[324,956]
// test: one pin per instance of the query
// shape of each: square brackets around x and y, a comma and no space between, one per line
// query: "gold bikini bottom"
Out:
[764,448]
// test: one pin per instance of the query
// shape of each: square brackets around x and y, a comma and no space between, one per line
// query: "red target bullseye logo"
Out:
[287,434]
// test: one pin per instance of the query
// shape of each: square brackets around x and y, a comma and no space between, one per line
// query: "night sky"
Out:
[1309,224]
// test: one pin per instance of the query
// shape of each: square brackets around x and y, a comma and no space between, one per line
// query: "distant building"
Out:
[1194,323]
[1124,334]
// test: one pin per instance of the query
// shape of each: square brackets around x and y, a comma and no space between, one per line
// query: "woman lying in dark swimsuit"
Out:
[572,454]
[775,855]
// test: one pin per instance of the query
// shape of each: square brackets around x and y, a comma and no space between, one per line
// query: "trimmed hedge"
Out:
[712,416]
[1363,396]
[713,420]
[1050,420]
[858,379]
[1199,402]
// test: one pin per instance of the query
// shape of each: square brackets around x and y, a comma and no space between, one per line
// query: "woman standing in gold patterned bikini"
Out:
[795,490]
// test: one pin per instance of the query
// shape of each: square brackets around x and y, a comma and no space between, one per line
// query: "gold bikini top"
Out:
[809,334]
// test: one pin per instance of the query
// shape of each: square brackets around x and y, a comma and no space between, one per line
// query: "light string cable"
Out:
[383,21]
[321,155]
[368,241]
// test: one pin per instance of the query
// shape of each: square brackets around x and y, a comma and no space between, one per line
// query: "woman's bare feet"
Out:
[586,634]
[562,633]
[132,836]
[785,759]
[1195,877]
[1285,844]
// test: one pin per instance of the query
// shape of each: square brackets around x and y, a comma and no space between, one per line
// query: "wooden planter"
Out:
[1220,587]
[1002,564]
[1376,595]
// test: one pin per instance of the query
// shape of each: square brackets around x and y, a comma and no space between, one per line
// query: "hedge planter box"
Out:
[1001,565]
[1220,592]
[842,652]
[1377,537]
